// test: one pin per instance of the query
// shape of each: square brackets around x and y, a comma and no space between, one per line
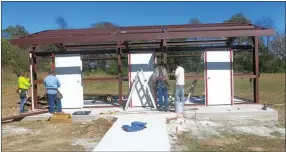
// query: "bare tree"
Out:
[61,22]
[266,22]
[277,46]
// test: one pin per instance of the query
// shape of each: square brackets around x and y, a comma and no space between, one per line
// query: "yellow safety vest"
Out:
[23,83]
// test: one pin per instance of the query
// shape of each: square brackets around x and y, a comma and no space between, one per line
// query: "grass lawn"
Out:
[272,90]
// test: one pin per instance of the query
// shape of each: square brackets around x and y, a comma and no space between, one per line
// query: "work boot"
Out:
[25,111]
[166,109]
[160,108]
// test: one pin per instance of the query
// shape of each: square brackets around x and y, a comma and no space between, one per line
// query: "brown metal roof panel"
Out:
[149,36]
[65,38]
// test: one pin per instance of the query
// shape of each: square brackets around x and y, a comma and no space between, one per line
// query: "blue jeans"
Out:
[179,94]
[162,92]
[22,104]
[53,101]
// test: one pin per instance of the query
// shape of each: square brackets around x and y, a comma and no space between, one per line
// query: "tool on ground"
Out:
[145,88]
[81,113]
[194,83]
[61,118]
[135,126]
[169,119]
[264,106]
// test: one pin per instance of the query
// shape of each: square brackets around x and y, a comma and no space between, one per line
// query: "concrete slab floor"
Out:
[246,111]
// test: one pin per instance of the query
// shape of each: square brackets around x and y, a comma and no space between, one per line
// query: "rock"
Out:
[256,148]
[75,142]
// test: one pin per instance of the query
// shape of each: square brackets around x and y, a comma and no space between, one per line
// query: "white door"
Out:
[218,77]
[68,69]
[145,61]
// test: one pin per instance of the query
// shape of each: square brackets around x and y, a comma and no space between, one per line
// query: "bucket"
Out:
[179,107]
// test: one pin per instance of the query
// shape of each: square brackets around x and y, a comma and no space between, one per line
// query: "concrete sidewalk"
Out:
[152,138]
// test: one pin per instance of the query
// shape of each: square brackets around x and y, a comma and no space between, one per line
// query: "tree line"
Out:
[271,51]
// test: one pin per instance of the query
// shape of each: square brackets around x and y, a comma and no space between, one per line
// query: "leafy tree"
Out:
[195,21]
[14,32]
[104,24]
[14,59]
[239,18]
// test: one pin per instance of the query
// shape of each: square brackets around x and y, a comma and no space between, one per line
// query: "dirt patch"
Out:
[229,142]
[46,136]
[245,135]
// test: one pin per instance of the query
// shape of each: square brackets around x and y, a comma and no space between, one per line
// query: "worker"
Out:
[23,86]
[52,84]
[28,79]
[161,86]
[180,83]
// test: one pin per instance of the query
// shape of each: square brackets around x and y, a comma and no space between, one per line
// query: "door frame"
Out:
[129,72]
[231,73]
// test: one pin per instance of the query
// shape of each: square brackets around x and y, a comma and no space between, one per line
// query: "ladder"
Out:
[145,86]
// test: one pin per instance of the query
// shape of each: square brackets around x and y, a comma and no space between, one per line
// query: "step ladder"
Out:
[145,87]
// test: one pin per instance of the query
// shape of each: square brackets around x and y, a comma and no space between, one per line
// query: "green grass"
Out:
[272,89]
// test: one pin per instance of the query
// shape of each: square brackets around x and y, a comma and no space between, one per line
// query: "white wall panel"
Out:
[68,70]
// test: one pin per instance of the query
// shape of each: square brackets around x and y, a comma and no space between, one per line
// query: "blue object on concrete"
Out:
[81,113]
[135,126]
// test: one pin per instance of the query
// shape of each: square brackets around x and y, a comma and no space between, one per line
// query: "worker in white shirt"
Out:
[180,83]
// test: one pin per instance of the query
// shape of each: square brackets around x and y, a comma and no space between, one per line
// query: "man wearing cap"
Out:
[52,84]
[23,86]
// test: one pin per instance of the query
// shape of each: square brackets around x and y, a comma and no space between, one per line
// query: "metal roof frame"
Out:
[70,37]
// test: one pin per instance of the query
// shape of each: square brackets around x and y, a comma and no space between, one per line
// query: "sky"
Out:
[38,16]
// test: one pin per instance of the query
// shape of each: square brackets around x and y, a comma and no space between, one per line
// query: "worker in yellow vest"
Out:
[23,86]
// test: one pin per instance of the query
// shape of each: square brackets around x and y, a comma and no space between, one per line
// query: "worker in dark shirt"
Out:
[160,82]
